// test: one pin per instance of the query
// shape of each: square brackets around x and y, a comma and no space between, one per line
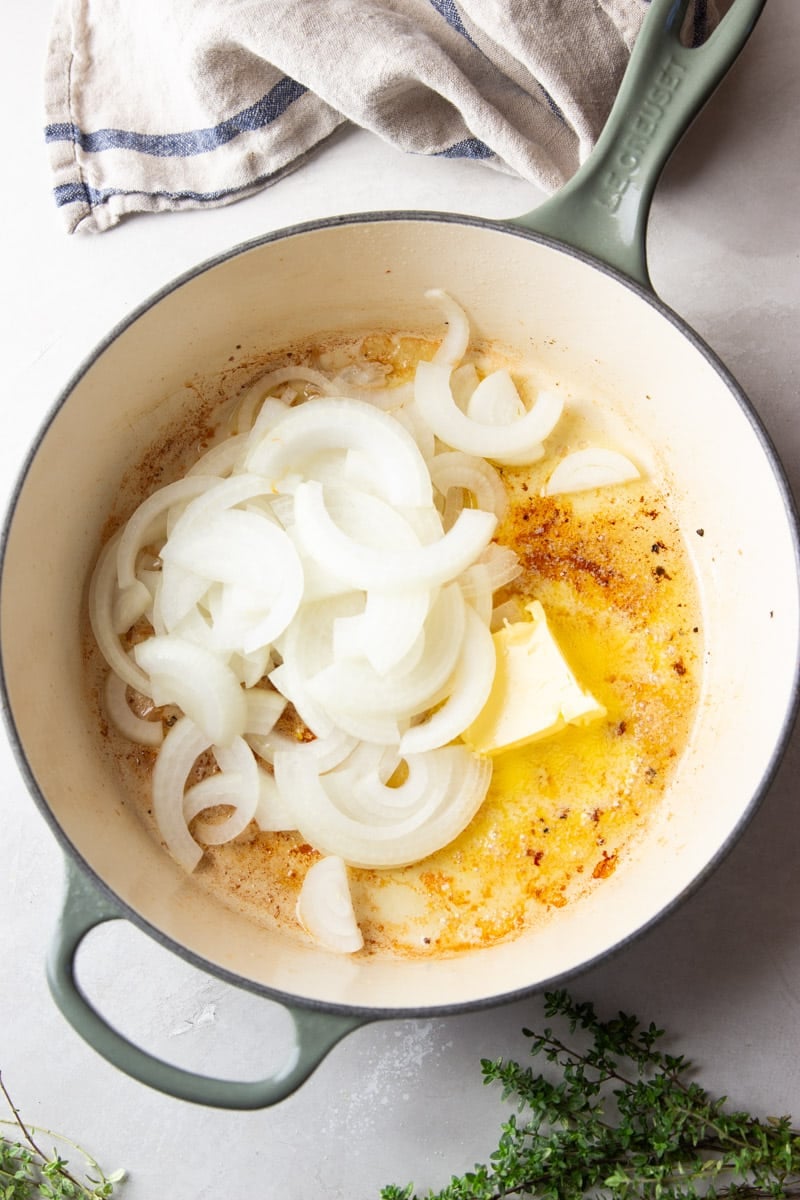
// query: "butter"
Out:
[534,693]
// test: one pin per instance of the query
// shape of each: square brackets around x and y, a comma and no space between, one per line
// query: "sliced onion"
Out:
[273,814]
[264,710]
[520,441]
[463,382]
[458,784]
[180,591]
[496,400]
[325,907]
[368,382]
[353,687]
[237,785]
[339,423]
[203,686]
[272,411]
[385,568]
[101,607]
[130,604]
[150,521]
[454,469]
[455,342]
[307,647]
[251,668]
[410,417]
[386,631]
[221,459]
[257,561]
[293,373]
[182,746]
[468,691]
[121,715]
[593,467]
[327,752]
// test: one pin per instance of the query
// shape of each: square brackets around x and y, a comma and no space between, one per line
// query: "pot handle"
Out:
[603,208]
[84,908]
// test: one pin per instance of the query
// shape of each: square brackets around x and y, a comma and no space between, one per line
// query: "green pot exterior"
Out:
[603,209]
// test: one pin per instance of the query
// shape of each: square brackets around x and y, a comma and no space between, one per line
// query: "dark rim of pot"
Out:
[770,767]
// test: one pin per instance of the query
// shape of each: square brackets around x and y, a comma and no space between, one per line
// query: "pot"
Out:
[568,280]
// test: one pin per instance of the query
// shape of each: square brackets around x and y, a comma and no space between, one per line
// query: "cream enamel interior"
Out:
[587,329]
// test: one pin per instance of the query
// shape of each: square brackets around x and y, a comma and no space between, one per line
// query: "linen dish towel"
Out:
[160,105]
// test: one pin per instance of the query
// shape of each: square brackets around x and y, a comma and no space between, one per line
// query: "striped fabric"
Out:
[169,104]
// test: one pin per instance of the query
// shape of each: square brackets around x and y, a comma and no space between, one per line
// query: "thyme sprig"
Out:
[625,1121]
[28,1173]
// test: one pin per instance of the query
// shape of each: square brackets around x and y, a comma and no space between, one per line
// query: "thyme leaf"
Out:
[621,1120]
[27,1172]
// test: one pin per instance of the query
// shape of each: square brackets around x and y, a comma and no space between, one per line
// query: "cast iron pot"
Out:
[567,284]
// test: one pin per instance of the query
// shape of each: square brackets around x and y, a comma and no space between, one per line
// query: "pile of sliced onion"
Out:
[334,552]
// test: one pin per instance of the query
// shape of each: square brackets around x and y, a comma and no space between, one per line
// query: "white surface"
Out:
[399,1100]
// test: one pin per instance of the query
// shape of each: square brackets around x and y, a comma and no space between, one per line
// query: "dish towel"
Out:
[171,104]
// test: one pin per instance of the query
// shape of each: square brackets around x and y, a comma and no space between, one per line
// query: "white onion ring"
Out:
[325,907]
[182,746]
[454,344]
[201,684]
[149,521]
[352,687]
[237,785]
[496,400]
[221,459]
[273,814]
[459,781]
[259,566]
[101,605]
[454,469]
[592,467]
[337,423]
[398,568]
[468,691]
[517,443]
[119,712]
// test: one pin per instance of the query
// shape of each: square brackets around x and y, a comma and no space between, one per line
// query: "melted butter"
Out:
[611,570]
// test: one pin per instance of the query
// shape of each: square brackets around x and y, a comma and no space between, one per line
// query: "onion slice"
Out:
[397,568]
[325,907]
[182,746]
[592,467]
[468,691]
[454,469]
[201,684]
[454,344]
[496,400]
[121,715]
[458,784]
[515,443]
[237,785]
[101,618]
[338,423]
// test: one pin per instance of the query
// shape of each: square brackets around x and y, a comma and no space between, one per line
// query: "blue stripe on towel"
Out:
[194,141]
[83,193]
[448,10]
[471,147]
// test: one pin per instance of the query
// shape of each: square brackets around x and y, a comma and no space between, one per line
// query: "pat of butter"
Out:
[534,693]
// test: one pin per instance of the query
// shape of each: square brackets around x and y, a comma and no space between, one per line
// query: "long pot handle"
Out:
[603,208]
[83,909]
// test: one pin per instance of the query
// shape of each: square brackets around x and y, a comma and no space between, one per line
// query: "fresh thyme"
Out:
[28,1173]
[623,1122]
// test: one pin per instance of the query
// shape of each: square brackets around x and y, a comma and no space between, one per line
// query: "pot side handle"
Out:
[603,208]
[83,909]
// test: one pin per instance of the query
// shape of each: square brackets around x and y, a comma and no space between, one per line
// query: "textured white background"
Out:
[400,1100]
